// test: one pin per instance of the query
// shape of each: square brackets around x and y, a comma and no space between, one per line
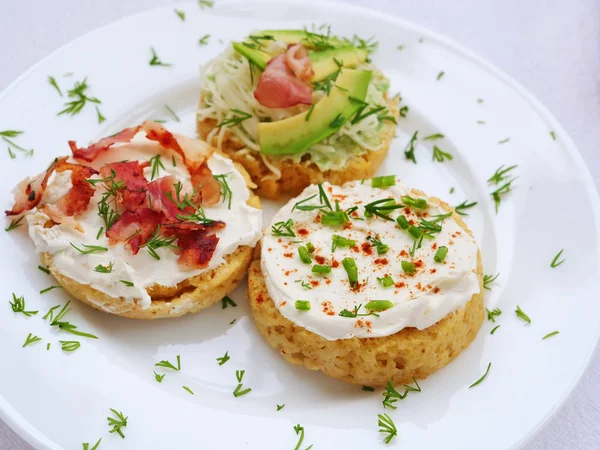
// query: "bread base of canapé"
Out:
[189,296]
[400,357]
[296,176]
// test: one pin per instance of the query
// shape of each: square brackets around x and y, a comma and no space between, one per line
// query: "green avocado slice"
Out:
[295,36]
[258,57]
[324,63]
[296,134]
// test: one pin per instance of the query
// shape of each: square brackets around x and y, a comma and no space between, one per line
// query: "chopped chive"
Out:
[318,268]
[489,279]
[433,137]
[340,241]
[48,289]
[494,329]
[304,256]
[99,233]
[521,315]
[368,389]
[302,305]
[310,247]
[554,333]
[384,181]
[415,232]
[43,269]
[352,271]
[386,281]
[30,340]
[188,389]
[403,222]
[491,315]
[419,203]
[127,283]
[379,305]
[408,267]
[441,253]
[555,263]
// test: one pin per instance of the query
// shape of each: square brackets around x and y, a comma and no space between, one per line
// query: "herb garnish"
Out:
[555,262]
[338,121]
[31,339]
[158,377]
[206,3]
[402,112]
[321,269]
[188,389]
[382,208]
[70,346]
[440,75]
[48,289]
[440,156]
[304,284]
[379,305]
[440,254]
[386,281]
[409,150]
[553,135]
[80,98]
[169,365]
[65,326]
[155,60]
[302,305]
[483,377]
[354,313]
[491,315]
[352,271]
[54,84]
[6,134]
[180,14]
[494,329]
[16,223]
[172,113]
[18,305]
[386,426]
[489,279]
[204,40]
[43,269]
[157,241]
[407,266]
[283,229]
[89,249]
[504,141]
[223,359]
[300,431]
[101,118]
[380,246]
[231,122]
[370,44]
[117,423]
[464,205]
[86,445]
[368,389]
[340,241]
[433,137]
[104,269]
[521,315]
[226,301]
[384,181]
[554,333]
[226,193]
[127,283]
[501,176]
[238,392]
[280,407]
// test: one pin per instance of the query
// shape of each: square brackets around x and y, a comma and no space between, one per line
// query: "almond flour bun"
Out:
[189,296]
[369,361]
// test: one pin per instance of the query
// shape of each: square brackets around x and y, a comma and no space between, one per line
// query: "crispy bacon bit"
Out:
[278,87]
[131,174]
[184,228]
[197,249]
[159,201]
[134,228]
[90,153]
[296,58]
[29,192]
[206,184]
[77,199]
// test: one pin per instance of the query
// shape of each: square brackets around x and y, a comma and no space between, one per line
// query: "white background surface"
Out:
[551,47]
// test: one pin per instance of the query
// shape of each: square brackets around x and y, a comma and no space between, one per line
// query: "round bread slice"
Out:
[399,357]
[189,296]
[297,176]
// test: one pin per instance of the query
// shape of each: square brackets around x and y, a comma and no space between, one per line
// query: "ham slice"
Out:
[278,87]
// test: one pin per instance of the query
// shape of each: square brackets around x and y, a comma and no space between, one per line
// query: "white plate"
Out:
[57,400]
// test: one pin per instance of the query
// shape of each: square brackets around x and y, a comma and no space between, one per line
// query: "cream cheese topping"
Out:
[243,227]
[419,300]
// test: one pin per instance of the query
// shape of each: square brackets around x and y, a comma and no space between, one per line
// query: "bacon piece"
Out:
[143,222]
[279,88]
[296,58]
[205,183]
[90,153]
[57,216]
[197,248]
[131,173]
[185,228]
[29,192]
[158,199]
[77,199]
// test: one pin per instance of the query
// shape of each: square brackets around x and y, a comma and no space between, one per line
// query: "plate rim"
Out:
[34,437]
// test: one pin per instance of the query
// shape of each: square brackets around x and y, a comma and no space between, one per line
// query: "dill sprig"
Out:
[521,315]
[382,208]
[156,61]
[169,365]
[157,241]
[501,177]
[65,326]
[30,340]
[488,280]
[391,395]
[18,305]
[204,40]
[54,84]
[299,429]
[70,346]
[409,150]
[483,377]
[223,359]
[117,423]
[12,146]
[156,165]
[80,98]
[227,301]
[555,262]
[380,246]
[226,192]
[238,391]
[283,229]
[86,445]
[491,315]
[235,120]
[354,313]
[387,426]
[180,14]
[464,205]
[440,155]
[15,223]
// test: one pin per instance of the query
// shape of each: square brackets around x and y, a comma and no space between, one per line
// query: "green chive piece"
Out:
[310,247]
[317,268]
[408,267]
[415,232]
[386,281]
[352,271]
[304,256]
[418,203]
[403,222]
[341,241]
[302,305]
[384,181]
[379,305]
[441,253]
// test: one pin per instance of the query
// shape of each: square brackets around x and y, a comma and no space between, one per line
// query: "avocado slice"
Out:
[295,36]
[323,63]
[258,57]
[296,134]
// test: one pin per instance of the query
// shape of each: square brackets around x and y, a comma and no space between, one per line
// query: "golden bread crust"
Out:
[369,361]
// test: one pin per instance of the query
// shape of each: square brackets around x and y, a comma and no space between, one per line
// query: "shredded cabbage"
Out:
[227,84]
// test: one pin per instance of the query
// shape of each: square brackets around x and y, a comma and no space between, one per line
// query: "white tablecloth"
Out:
[551,46]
